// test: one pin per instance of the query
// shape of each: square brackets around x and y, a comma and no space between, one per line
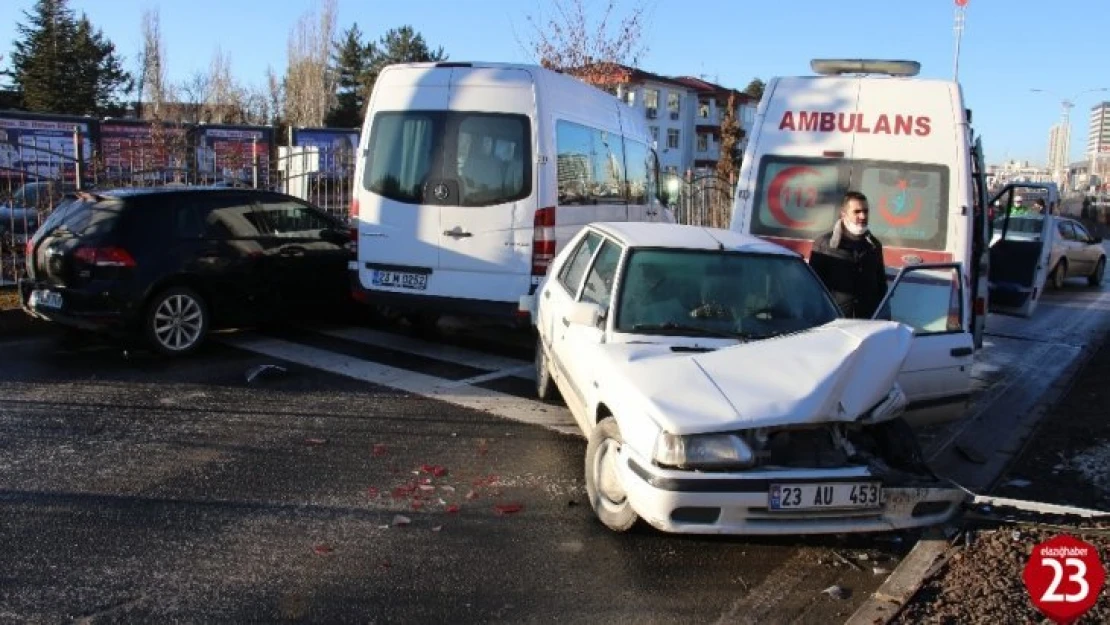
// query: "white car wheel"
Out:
[603,482]
[545,386]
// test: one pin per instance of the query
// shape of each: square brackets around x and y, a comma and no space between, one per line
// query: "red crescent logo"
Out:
[774,196]
[900,221]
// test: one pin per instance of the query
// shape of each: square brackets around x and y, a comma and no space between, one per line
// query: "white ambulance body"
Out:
[907,144]
[472,176]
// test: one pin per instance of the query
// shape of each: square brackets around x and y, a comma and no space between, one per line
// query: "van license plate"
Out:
[839,495]
[401,279]
[45,299]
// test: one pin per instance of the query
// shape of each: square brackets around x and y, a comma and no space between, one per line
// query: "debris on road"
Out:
[262,372]
[401,520]
[836,592]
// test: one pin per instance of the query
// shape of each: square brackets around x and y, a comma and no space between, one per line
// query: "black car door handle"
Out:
[457,233]
[566,322]
[292,251]
[960,351]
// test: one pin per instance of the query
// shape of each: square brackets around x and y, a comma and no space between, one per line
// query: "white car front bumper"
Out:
[739,503]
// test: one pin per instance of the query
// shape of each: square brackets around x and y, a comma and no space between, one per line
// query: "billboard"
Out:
[41,146]
[227,152]
[130,148]
[337,147]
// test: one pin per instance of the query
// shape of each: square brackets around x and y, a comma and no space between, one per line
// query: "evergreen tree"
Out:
[399,45]
[755,89]
[62,64]
[350,62]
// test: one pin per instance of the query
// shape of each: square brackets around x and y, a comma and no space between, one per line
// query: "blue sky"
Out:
[1009,46]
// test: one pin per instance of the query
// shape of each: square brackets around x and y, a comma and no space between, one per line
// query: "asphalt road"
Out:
[139,489]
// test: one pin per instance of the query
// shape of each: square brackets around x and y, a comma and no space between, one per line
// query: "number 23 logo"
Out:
[1051,593]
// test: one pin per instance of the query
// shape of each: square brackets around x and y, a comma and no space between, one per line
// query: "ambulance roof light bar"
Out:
[836,67]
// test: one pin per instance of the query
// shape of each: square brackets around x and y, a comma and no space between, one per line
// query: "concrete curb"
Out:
[885,604]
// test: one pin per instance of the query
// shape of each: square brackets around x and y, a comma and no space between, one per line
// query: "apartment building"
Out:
[683,113]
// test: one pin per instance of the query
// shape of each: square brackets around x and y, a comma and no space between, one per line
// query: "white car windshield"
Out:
[719,293]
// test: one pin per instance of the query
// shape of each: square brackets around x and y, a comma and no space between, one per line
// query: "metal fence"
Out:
[699,201]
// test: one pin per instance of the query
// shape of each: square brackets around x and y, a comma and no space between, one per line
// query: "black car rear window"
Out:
[85,216]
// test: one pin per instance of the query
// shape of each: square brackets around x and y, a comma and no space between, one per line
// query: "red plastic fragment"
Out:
[507,508]
[452,508]
[322,549]
[379,450]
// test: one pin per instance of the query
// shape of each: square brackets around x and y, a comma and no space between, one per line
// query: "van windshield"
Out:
[798,198]
[465,159]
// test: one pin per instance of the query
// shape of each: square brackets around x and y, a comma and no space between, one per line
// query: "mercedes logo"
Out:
[441,192]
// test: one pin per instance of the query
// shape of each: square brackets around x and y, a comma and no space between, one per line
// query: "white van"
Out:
[907,144]
[472,176]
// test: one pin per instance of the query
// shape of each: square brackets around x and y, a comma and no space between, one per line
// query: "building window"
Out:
[673,104]
[630,97]
[654,133]
[703,109]
[703,142]
[672,138]
[651,103]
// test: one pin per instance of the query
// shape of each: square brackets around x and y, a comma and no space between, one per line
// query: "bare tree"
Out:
[310,84]
[223,91]
[152,75]
[569,40]
[193,93]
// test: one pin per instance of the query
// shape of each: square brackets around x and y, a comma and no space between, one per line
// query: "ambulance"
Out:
[906,143]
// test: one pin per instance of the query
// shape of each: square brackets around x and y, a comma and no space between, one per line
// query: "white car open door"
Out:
[1020,245]
[936,375]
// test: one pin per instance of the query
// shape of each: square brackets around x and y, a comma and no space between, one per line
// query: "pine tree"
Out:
[62,64]
[399,45]
[755,89]
[350,62]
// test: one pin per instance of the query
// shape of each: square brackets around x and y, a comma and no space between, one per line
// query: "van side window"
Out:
[640,163]
[590,165]
[571,275]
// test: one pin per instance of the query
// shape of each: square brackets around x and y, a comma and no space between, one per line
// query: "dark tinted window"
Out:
[86,216]
[640,166]
[287,218]
[219,217]
[488,156]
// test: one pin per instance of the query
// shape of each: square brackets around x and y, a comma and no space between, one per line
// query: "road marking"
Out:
[533,412]
[446,353]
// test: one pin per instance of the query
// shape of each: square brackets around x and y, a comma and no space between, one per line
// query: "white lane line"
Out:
[533,412]
[446,353]
[527,372]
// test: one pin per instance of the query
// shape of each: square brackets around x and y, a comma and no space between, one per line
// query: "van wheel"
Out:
[1095,279]
[176,321]
[1059,274]
[545,386]
[603,483]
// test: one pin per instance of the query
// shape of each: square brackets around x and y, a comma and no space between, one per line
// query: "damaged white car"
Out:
[721,392]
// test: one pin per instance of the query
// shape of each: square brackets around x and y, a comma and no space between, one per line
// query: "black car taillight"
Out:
[104,256]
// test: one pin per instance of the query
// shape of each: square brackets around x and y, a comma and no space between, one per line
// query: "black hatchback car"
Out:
[169,264]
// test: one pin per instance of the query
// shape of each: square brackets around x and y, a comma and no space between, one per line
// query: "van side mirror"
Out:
[584,314]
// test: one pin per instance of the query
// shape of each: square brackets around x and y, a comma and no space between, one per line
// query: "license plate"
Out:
[45,299]
[840,495]
[401,279]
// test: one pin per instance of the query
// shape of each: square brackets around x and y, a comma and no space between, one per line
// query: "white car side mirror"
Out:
[584,314]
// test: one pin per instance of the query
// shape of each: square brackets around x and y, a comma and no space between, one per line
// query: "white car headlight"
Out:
[703,451]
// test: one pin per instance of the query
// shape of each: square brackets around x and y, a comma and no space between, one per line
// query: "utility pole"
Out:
[958,28]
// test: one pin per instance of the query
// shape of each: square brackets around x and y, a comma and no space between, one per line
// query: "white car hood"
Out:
[835,372]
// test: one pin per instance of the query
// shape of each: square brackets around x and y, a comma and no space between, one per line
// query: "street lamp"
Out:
[1067,104]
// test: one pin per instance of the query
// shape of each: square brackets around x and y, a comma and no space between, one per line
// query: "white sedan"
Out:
[721,392]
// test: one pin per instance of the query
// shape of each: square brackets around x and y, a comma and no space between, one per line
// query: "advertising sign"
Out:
[41,146]
[337,147]
[227,152]
[142,148]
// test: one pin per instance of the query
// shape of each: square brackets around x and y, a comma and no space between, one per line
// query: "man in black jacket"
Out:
[849,260]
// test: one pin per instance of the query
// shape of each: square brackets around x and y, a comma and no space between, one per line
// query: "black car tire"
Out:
[606,495]
[176,321]
[1059,275]
[1095,279]
[545,385]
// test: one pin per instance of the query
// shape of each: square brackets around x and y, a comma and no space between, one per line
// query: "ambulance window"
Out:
[909,206]
[798,198]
